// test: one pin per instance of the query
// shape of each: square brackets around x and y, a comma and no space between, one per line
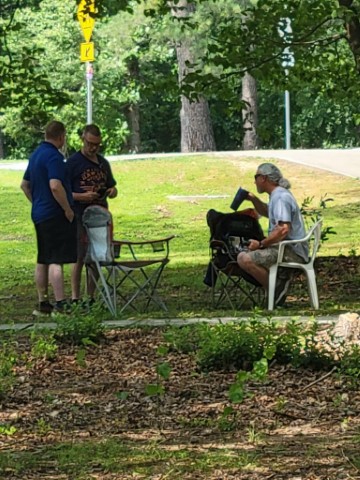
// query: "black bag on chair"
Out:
[234,230]
[241,224]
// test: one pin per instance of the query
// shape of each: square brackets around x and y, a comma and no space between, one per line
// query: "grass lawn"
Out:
[84,412]
[147,207]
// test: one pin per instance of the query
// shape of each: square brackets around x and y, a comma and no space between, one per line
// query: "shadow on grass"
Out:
[186,295]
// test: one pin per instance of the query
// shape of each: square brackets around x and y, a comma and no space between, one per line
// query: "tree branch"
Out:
[313,30]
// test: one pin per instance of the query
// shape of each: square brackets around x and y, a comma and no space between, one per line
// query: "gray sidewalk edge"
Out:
[160,322]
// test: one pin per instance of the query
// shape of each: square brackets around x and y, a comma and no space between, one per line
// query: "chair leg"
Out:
[147,289]
[214,276]
[153,296]
[220,290]
[272,286]
[313,293]
[103,288]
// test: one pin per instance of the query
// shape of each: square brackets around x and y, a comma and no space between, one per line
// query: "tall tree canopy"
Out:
[136,95]
[325,43]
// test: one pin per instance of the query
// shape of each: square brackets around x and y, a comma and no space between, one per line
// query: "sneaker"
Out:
[281,289]
[44,308]
[61,306]
[91,302]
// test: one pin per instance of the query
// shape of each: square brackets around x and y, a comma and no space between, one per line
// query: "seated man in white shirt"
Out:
[285,223]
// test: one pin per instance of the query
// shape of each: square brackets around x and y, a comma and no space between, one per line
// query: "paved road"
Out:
[342,161]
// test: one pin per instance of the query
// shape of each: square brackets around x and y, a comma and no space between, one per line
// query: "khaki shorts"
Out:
[267,257]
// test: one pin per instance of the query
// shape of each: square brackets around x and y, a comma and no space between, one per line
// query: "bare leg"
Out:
[259,273]
[56,276]
[42,281]
[76,279]
[91,283]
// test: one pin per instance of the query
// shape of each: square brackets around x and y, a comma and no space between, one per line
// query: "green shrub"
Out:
[184,339]
[43,345]
[8,358]
[288,344]
[77,327]
[317,355]
[229,347]
[350,361]
[237,346]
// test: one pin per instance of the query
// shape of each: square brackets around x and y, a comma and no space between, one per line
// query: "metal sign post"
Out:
[89,77]
[287,121]
[87,55]
[285,31]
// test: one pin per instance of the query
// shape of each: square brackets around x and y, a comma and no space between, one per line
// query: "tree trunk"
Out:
[196,127]
[133,110]
[249,113]
[133,120]
[352,26]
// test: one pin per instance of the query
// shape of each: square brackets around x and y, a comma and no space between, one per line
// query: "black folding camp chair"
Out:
[127,273]
[229,235]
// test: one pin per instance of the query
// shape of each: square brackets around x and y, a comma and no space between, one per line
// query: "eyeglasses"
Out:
[257,175]
[92,144]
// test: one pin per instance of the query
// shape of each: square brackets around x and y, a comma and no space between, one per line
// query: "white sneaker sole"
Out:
[37,313]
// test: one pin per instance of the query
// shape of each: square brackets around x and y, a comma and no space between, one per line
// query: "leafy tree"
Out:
[121,41]
[24,86]
[245,37]
[137,65]
[136,92]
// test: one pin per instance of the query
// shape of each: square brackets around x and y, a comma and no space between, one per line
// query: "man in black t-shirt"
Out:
[92,182]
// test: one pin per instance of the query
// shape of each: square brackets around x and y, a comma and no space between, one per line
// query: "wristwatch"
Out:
[261,245]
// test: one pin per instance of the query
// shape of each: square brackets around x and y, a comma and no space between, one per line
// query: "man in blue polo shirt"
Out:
[46,187]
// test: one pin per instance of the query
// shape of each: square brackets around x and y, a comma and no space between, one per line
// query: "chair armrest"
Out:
[217,244]
[142,242]
[315,231]
[287,242]
[157,245]
[283,244]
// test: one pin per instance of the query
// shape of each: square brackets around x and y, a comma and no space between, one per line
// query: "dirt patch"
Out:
[289,428]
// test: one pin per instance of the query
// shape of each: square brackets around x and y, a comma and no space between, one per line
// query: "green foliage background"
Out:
[42,77]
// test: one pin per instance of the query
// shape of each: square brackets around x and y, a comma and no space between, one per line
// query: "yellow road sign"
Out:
[87,22]
[87,53]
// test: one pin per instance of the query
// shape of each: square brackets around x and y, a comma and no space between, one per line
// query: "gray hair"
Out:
[274,174]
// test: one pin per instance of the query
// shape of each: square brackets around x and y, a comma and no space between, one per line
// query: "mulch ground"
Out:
[299,424]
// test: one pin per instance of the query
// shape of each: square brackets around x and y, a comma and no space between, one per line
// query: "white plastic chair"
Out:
[307,268]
